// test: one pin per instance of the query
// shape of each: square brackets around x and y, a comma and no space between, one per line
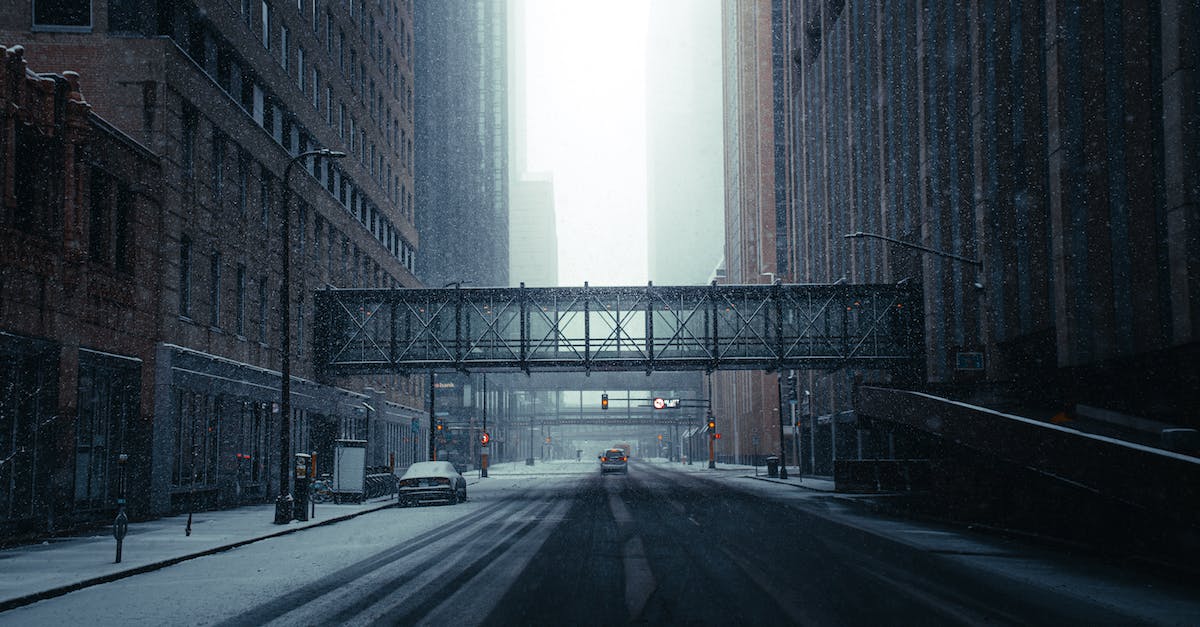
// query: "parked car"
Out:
[431,482]
[614,460]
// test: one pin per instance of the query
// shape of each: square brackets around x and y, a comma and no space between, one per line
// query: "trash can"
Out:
[773,466]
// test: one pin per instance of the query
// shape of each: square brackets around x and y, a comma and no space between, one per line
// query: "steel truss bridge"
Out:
[650,328]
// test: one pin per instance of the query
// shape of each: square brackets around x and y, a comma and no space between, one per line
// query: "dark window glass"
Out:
[100,218]
[185,276]
[214,290]
[123,241]
[73,13]
[241,299]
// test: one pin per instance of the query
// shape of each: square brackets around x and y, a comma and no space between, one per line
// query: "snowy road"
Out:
[562,545]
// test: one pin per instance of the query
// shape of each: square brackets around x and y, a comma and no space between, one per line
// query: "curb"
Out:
[794,485]
[27,599]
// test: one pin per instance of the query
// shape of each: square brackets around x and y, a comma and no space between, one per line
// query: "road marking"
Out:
[639,581]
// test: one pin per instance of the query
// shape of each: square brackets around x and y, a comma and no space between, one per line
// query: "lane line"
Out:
[303,595]
[480,596]
[439,589]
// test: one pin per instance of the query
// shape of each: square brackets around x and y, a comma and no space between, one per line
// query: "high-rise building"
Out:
[684,178]
[226,96]
[533,230]
[1028,164]
[755,40]
[462,175]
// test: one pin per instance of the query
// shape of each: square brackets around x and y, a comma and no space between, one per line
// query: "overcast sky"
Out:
[586,101]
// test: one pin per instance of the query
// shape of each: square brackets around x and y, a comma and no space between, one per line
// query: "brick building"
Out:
[757,197]
[226,95]
[78,239]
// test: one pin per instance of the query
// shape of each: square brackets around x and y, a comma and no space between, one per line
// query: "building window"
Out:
[63,14]
[241,299]
[100,220]
[218,165]
[316,88]
[283,47]
[185,276]
[300,70]
[262,310]
[264,195]
[328,33]
[191,120]
[266,25]
[197,432]
[108,403]
[214,290]
[243,181]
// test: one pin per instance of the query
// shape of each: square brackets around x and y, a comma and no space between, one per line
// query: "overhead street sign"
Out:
[666,403]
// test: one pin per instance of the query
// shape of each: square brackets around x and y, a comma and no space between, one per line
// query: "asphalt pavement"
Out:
[665,544]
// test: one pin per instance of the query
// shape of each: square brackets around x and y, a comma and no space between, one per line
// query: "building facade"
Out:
[755,38]
[462,175]
[684,182]
[77,302]
[533,221]
[1043,150]
[225,96]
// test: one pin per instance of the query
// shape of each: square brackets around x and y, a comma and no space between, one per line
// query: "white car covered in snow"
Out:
[429,482]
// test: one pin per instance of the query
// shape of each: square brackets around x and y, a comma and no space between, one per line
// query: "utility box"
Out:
[349,470]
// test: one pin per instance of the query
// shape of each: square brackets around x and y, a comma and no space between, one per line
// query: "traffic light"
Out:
[660,437]
[717,436]
[485,438]
[604,401]
[712,426]
[439,426]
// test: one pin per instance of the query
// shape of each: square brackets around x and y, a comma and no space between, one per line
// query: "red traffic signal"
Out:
[717,436]
[485,438]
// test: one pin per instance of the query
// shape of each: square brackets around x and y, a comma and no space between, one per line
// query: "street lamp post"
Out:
[899,242]
[782,444]
[283,504]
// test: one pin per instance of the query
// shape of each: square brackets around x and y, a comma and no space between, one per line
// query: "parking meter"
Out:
[121,524]
[301,506]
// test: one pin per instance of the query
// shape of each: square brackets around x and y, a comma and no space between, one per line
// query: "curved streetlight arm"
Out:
[283,504]
[934,251]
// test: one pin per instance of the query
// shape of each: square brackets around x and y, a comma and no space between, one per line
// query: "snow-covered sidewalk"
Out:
[61,565]
[749,472]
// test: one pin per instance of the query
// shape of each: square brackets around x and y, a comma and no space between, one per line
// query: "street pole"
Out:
[121,524]
[283,504]
[782,443]
[483,454]
[432,421]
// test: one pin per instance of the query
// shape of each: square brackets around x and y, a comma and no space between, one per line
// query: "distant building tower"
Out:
[684,165]
[533,230]
[462,136]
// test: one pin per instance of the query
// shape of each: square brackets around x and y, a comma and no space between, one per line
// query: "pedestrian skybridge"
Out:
[648,328]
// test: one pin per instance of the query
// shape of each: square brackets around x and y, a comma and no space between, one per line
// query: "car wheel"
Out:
[462,498]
